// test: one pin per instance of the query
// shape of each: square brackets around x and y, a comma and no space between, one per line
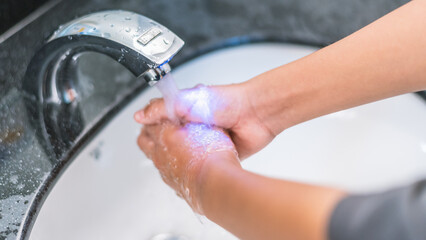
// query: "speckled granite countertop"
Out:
[27,172]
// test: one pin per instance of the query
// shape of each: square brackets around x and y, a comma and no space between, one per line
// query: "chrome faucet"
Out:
[140,44]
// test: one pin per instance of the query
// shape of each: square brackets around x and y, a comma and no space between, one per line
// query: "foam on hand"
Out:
[207,138]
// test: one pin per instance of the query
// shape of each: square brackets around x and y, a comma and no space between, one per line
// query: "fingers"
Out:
[153,113]
[146,144]
[190,105]
[198,104]
[154,131]
[209,105]
[195,105]
[152,135]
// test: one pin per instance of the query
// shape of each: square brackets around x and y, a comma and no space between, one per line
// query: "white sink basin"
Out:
[111,191]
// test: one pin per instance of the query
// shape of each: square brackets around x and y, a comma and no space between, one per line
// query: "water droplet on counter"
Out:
[112,25]
[14,179]
[128,18]
[127,29]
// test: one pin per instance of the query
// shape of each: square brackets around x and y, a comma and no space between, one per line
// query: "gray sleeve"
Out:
[393,215]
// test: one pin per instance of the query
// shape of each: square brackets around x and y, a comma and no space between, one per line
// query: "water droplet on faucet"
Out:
[106,35]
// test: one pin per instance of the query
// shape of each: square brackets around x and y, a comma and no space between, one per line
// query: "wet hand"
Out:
[227,107]
[182,152]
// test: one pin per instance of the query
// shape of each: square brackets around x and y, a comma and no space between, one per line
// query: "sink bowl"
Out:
[112,191]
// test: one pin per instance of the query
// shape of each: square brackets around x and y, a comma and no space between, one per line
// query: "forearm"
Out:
[384,59]
[256,207]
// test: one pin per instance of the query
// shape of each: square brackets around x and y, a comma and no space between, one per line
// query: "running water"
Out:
[169,90]
[200,101]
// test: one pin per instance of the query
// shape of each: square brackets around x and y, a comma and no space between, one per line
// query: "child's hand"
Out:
[180,154]
[227,107]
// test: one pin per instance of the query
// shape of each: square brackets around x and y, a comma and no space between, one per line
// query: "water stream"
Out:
[167,87]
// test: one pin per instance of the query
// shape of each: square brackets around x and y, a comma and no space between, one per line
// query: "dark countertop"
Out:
[27,171]
[12,11]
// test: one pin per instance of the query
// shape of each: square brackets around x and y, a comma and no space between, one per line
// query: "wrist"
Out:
[211,178]
[274,106]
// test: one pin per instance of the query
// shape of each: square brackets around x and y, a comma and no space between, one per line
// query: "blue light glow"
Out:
[201,102]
